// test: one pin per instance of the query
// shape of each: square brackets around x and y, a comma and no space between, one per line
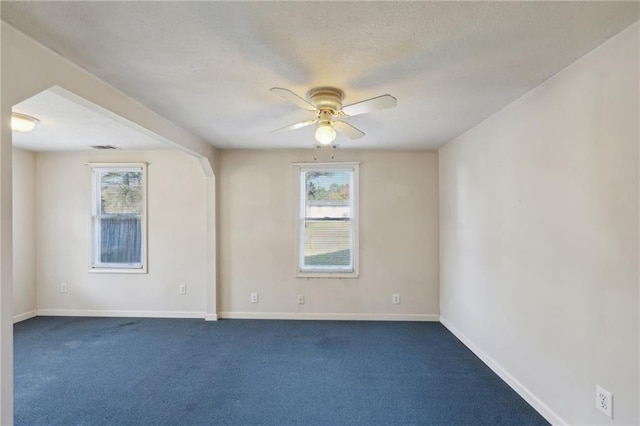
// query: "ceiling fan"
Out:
[326,104]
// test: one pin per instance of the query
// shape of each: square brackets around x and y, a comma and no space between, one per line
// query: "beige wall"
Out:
[24,234]
[177,223]
[27,69]
[539,238]
[398,238]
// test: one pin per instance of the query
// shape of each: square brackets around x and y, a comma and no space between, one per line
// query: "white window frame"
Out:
[95,265]
[327,272]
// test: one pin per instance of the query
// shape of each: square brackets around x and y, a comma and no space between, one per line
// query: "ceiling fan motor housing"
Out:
[326,99]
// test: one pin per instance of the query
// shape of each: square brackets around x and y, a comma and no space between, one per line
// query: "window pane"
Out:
[121,240]
[118,221]
[327,222]
[327,243]
[121,193]
[328,189]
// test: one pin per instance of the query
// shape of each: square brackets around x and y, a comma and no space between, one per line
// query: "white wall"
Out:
[539,238]
[398,245]
[24,234]
[177,232]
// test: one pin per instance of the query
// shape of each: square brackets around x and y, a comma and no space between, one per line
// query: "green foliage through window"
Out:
[121,193]
[332,186]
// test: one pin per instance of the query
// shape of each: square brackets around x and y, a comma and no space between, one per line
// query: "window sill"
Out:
[117,271]
[319,274]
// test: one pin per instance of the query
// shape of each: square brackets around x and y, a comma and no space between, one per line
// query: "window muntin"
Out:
[328,221]
[119,208]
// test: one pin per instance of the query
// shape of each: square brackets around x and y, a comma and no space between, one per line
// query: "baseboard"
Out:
[24,316]
[328,316]
[109,313]
[228,315]
[527,395]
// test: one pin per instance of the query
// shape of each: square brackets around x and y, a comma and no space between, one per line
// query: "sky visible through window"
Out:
[326,181]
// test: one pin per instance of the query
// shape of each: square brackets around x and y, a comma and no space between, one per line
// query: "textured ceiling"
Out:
[208,66]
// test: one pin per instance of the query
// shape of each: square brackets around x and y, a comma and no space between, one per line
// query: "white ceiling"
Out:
[67,124]
[208,66]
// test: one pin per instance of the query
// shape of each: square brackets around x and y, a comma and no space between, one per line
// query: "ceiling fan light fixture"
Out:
[23,122]
[326,102]
[325,133]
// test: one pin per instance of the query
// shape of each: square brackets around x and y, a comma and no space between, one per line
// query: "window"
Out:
[328,230]
[119,210]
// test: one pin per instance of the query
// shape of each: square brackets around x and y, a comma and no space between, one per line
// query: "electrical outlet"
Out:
[396,299]
[604,401]
[301,299]
[254,297]
[183,289]
[63,288]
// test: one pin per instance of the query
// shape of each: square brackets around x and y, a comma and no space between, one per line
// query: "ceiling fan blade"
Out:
[293,98]
[373,104]
[348,130]
[295,126]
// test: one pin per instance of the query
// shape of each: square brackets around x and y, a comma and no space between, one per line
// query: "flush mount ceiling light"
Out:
[23,122]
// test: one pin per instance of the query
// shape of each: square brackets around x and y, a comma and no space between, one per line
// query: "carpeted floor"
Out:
[119,371]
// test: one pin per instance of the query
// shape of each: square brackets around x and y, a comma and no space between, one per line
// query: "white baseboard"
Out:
[527,395]
[328,316]
[228,315]
[108,313]
[24,316]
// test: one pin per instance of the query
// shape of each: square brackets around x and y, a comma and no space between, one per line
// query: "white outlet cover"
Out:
[604,401]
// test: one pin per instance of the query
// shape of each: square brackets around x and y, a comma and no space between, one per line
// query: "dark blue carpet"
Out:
[118,371]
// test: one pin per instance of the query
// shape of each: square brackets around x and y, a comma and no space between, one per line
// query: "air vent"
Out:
[104,147]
